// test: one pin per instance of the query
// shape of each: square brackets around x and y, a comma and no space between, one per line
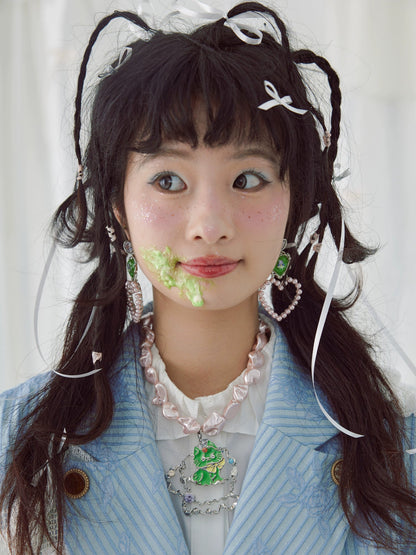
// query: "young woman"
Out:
[207,422]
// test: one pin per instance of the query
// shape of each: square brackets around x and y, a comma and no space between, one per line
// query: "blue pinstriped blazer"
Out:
[288,504]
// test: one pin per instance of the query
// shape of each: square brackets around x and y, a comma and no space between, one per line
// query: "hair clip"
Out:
[96,356]
[80,172]
[327,139]
[122,59]
[286,101]
[111,233]
[314,242]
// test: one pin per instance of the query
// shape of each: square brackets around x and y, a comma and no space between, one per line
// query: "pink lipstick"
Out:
[209,266]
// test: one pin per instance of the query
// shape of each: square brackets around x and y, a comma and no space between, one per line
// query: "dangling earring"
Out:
[279,271]
[134,292]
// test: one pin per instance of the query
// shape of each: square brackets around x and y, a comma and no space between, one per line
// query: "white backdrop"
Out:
[369,42]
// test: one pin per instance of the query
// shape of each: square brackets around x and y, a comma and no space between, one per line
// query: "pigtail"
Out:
[308,57]
[92,340]
[374,463]
[330,211]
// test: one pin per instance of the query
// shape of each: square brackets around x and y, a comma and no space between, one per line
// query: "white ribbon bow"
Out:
[122,59]
[286,101]
[239,27]
[250,21]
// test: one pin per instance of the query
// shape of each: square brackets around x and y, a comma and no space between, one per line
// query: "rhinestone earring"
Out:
[134,292]
[276,278]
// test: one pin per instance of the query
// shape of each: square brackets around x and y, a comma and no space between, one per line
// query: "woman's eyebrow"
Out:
[162,152]
[178,152]
[259,152]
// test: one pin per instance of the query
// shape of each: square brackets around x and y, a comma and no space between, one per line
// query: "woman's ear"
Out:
[121,220]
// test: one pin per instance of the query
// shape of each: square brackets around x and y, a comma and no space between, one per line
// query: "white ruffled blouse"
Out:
[206,534]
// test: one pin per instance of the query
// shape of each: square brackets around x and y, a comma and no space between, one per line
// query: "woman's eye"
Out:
[250,180]
[168,182]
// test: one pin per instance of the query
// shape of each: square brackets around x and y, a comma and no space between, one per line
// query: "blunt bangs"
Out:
[172,82]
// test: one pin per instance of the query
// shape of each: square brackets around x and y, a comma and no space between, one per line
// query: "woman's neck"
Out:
[204,350]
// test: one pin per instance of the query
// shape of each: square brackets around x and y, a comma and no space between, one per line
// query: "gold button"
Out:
[76,483]
[336,472]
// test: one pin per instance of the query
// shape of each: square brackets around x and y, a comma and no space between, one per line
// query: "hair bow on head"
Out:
[286,101]
[122,59]
[254,23]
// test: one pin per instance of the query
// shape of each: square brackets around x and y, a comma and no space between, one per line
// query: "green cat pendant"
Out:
[209,468]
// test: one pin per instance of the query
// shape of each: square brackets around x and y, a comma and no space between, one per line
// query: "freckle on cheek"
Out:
[271,214]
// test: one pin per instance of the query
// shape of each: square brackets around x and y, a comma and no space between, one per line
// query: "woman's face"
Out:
[206,223]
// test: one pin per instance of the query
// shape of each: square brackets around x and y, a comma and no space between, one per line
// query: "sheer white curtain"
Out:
[369,42]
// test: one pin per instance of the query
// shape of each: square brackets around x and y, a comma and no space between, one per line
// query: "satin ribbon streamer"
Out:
[320,327]
[286,101]
[39,297]
[391,338]
[146,11]
[87,327]
[36,319]
[343,175]
[78,375]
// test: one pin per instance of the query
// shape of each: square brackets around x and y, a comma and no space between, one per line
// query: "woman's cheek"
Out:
[267,217]
[151,216]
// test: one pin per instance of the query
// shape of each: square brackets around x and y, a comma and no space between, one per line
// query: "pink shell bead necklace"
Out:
[215,422]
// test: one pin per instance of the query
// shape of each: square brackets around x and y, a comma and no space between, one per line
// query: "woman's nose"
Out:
[210,218]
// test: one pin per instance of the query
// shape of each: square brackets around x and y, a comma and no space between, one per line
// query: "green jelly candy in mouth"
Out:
[164,265]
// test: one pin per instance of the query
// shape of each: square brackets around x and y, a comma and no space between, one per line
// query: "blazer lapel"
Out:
[289,503]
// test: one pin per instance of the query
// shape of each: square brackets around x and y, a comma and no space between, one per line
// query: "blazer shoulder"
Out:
[15,404]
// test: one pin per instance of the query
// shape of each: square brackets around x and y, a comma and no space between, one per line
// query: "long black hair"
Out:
[151,98]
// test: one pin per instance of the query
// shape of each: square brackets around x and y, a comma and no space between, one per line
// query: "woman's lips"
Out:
[209,266]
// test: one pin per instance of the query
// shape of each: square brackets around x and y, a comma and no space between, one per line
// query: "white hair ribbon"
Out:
[205,11]
[320,327]
[144,9]
[36,317]
[78,375]
[39,298]
[286,101]
[390,337]
[240,27]
[122,59]
[147,12]
[339,177]
[238,23]
[95,356]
